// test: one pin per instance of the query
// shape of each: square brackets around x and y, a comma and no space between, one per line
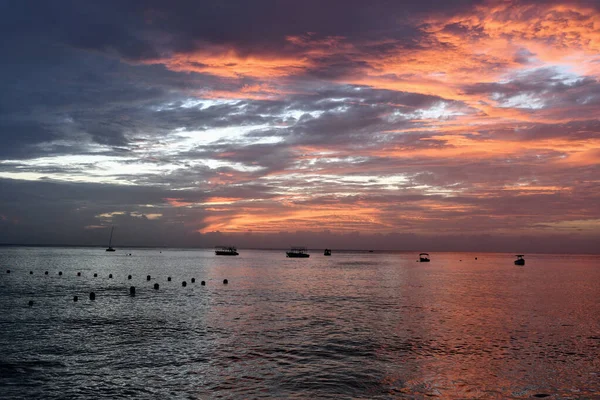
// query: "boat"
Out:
[110,240]
[297,252]
[520,260]
[327,252]
[424,257]
[226,251]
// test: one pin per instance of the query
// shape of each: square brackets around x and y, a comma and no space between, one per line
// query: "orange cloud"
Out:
[228,63]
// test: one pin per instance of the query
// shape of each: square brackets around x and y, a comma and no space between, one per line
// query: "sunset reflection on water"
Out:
[355,325]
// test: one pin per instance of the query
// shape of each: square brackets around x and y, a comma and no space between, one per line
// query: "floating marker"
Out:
[109,276]
[8,271]
[156,286]
[92,296]
[169,279]
[476,258]
[60,272]
[46,273]
[148,278]
[184,283]
[79,274]
[193,280]
[75,298]
[225,281]
[95,275]
[30,303]
[128,276]
[203,283]
[132,291]
[30,272]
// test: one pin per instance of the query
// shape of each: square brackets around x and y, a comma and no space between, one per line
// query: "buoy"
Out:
[156,286]
[30,272]
[79,274]
[184,283]
[225,281]
[8,271]
[148,278]
[476,258]
[193,280]
[60,272]
[46,273]
[132,290]
[92,296]
[109,276]
[75,298]
[30,303]
[95,275]
[169,279]
[128,276]
[203,283]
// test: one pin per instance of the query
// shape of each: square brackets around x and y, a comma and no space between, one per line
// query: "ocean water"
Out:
[353,325]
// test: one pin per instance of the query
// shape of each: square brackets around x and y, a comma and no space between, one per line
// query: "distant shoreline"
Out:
[282,249]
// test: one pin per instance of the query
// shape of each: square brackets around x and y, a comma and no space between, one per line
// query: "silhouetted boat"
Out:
[110,240]
[226,251]
[327,252]
[424,257]
[297,252]
[520,260]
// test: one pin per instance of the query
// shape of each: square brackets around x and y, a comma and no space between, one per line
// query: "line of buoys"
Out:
[131,288]
[109,276]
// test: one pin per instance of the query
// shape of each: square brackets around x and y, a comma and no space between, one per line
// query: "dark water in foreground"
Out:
[354,325]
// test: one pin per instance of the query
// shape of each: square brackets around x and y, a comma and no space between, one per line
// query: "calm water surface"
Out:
[353,325]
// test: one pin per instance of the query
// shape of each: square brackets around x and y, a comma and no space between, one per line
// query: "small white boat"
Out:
[520,260]
[226,251]
[297,252]
[110,240]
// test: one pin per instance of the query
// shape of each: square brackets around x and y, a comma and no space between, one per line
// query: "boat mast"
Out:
[111,232]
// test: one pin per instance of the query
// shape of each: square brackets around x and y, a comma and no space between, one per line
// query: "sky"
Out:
[349,124]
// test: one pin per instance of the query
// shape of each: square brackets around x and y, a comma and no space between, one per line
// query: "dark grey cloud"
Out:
[75,81]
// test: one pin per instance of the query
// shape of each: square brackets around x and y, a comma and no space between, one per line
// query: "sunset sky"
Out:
[406,125]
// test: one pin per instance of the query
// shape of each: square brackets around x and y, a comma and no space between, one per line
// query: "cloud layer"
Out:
[405,120]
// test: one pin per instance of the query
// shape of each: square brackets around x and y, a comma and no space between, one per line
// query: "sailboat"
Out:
[110,240]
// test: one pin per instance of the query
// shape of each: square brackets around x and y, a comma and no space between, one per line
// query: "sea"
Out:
[355,325]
